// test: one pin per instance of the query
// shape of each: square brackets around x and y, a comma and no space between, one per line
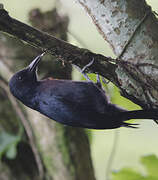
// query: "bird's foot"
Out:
[87,65]
[105,81]
[98,84]
[83,70]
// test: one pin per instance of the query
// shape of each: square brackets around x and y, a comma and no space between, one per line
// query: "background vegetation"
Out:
[132,144]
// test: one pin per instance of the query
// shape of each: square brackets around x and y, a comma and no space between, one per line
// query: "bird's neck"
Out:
[26,94]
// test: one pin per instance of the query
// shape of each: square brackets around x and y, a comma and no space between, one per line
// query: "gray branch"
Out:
[117,21]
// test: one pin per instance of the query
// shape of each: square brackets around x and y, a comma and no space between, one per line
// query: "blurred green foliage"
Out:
[149,162]
[8,144]
[96,43]
[151,165]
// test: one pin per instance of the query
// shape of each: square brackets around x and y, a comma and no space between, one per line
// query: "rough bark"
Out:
[64,151]
[130,27]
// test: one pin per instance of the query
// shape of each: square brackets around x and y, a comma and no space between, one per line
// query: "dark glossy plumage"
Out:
[74,103]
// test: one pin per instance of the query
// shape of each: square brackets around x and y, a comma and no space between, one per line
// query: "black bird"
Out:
[74,103]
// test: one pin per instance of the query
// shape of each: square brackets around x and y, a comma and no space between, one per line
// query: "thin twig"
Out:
[112,155]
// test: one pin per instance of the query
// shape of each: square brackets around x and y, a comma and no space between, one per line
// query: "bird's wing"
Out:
[83,95]
[82,103]
[76,104]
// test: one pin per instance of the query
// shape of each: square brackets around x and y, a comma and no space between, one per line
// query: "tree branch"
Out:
[57,47]
[137,83]
[118,21]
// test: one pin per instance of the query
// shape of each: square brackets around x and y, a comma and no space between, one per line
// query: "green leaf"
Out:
[11,152]
[151,164]
[8,144]
[127,174]
[150,178]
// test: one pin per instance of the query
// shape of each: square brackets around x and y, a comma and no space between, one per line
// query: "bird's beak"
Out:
[34,63]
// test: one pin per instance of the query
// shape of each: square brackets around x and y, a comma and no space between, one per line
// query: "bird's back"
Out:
[80,104]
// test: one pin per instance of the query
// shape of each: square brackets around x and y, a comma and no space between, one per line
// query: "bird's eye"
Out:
[19,78]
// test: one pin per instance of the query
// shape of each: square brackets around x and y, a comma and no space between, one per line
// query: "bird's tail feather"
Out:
[130,125]
[140,114]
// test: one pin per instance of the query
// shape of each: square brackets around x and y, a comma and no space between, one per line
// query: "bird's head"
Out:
[24,80]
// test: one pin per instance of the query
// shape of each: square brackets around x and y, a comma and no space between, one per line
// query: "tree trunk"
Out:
[130,27]
[55,151]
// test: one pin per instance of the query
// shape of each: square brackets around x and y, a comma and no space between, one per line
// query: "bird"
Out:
[82,104]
